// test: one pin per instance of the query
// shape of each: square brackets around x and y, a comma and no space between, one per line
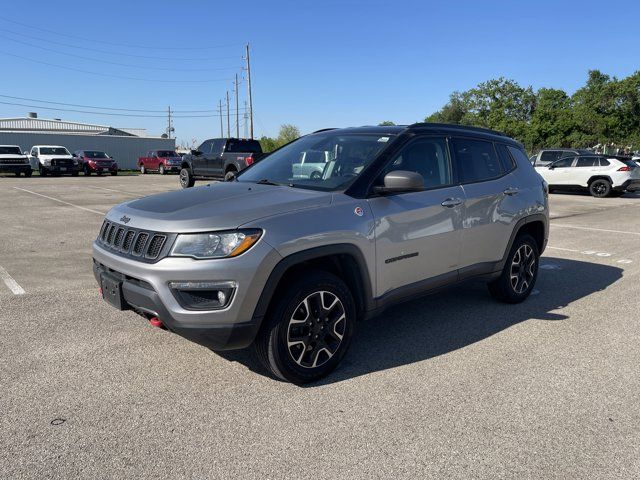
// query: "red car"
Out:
[162,161]
[93,161]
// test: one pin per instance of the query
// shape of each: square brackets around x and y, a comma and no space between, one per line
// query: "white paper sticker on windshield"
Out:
[383,139]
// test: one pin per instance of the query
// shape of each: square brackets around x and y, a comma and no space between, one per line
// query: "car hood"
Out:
[12,155]
[218,206]
[51,157]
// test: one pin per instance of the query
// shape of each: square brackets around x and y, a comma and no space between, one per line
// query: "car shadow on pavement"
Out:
[457,317]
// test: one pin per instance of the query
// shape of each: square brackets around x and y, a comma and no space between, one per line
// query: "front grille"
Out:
[155,245]
[132,242]
[62,162]
[13,161]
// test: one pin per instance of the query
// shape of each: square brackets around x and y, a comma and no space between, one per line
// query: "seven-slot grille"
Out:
[13,161]
[131,241]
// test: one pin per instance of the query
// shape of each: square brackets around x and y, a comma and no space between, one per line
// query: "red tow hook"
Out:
[155,322]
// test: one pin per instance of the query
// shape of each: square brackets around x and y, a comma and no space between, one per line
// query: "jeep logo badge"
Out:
[125,219]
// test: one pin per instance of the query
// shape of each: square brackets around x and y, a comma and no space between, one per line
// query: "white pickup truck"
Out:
[53,159]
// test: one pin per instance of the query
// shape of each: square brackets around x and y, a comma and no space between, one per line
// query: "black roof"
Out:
[443,128]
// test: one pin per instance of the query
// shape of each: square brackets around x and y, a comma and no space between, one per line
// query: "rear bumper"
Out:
[629,186]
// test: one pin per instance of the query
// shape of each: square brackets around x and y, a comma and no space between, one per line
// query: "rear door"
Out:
[418,234]
[585,168]
[493,199]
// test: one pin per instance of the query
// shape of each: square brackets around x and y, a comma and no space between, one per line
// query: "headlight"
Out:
[75,162]
[215,244]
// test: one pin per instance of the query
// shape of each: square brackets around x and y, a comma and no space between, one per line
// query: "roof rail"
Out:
[458,127]
[325,129]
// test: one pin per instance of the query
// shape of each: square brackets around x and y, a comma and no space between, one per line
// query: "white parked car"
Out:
[602,176]
[53,159]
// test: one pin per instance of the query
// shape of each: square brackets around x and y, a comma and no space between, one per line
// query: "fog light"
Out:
[203,295]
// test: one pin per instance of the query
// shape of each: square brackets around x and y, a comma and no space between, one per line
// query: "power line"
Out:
[128,65]
[104,108]
[86,39]
[105,113]
[122,77]
[121,54]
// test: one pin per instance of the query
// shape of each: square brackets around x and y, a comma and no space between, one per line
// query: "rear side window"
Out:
[243,146]
[550,156]
[516,154]
[587,162]
[604,162]
[476,159]
[506,159]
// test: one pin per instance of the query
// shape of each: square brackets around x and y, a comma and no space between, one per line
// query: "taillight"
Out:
[248,160]
[625,169]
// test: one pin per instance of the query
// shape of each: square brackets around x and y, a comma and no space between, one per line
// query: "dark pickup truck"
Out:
[219,158]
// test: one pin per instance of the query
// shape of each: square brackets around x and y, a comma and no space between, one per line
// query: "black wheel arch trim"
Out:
[278,272]
[599,177]
[537,217]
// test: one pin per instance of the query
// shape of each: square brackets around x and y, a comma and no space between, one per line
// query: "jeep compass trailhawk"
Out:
[290,263]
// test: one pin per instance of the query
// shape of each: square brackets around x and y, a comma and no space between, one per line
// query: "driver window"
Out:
[427,156]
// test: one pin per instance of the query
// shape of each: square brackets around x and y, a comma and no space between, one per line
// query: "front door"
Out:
[561,172]
[199,163]
[216,161]
[418,234]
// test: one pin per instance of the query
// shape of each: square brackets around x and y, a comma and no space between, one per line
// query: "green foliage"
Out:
[386,123]
[605,110]
[288,133]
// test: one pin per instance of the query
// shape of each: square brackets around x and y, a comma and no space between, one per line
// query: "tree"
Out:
[386,123]
[268,144]
[288,133]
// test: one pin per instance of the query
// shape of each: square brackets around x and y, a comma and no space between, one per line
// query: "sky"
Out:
[315,64]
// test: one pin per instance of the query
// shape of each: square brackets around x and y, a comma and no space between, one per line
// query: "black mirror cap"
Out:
[401,181]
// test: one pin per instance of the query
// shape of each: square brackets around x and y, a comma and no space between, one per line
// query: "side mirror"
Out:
[400,181]
[74,155]
[197,153]
[26,152]
[551,167]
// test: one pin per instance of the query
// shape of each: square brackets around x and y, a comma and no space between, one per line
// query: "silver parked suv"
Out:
[290,264]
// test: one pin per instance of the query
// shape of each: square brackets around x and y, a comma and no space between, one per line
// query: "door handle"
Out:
[451,202]
[511,191]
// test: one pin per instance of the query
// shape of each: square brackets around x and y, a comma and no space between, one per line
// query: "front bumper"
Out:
[629,186]
[105,168]
[59,169]
[145,287]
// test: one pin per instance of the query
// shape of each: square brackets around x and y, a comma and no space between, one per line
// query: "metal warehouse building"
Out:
[123,144]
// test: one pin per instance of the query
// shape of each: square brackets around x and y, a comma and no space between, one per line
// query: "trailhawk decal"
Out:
[401,257]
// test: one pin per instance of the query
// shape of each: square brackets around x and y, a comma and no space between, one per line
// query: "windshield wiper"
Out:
[266,181]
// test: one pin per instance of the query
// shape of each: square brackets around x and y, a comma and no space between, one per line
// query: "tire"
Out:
[43,171]
[161,170]
[114,173]
[87,171]
[75,174]
[17,174]
[28,173]
[318,309]
[600,188]
[186,178]
[143,170]
[525,252]
[230,175]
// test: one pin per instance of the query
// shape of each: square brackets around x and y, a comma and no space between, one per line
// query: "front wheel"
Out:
[161,170]
[43,171]
[600,188]
[28,173]
[186,178]
[519,273]
[17,174]
[143,170]
[114,173]
[87,170]
[310,329]
[230,175]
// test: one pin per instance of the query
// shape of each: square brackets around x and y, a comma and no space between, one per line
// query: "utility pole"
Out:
[169,128]
[235,84]
[228,120]
[245,118]
[249,93]
[220,115]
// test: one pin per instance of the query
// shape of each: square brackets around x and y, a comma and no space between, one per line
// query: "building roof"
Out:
[42,125]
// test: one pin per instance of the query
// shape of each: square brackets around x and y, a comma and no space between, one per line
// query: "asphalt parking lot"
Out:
[453,385]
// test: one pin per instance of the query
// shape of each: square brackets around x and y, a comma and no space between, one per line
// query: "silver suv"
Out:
[290,264]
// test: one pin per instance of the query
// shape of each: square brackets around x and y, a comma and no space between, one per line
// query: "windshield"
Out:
[167,153]
[54,151]
[89,154]
[324,161]
[10,151]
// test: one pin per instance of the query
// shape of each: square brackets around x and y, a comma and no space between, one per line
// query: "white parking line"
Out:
[114,190]
[594,229]
[11,283]
[59,201]
[563,249]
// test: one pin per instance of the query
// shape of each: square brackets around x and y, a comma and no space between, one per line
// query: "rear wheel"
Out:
[600,188]
[519,273]
[309,330]
[186,178]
